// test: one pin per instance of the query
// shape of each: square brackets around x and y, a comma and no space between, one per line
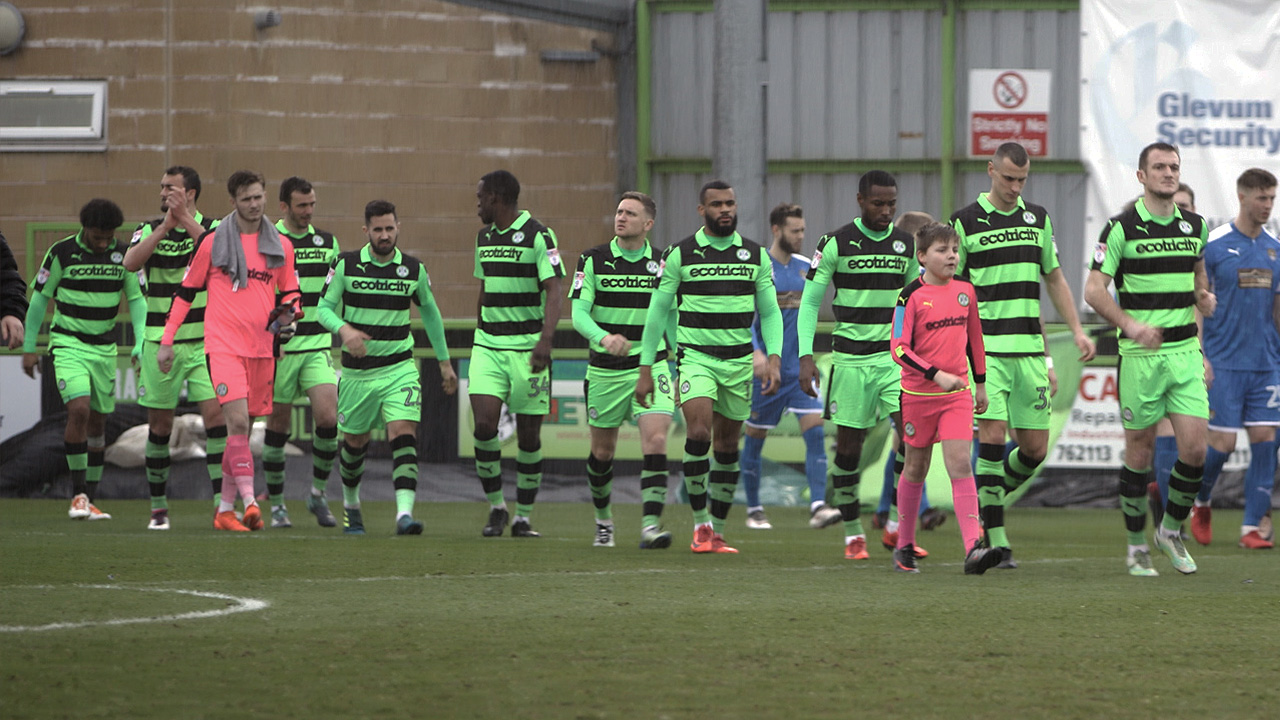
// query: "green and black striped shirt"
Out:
[512,264]
[1153,261]
[313,254]
[86,288]
[614,286]
[718,284]
[162,275]
[1004,255]
[868,269]
[374,299]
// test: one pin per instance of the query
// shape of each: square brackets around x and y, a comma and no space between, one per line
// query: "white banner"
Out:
[1202,75]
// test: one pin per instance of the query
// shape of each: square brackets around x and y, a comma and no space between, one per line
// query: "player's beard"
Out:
[713,227]
[787,246]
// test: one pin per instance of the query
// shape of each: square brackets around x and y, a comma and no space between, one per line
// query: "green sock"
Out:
[352,470]
[273,464]
[351,496]
[724,481]
[653,489]
[600,480]
[215,445]
[1133,503]
[697,464]
[158,462]
[1017,471]
[404,474]
[489,469]
[93,469]
[324,448]
[77,460]
[899,462]
[528,480]
[404,502]
[845,479]
[1132,508]
[1184,485]
[720,493]
[989,478]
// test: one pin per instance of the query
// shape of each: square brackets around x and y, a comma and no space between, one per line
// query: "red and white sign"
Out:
[1094,435]
[1009,106]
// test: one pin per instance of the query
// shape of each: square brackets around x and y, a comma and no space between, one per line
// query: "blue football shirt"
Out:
[1244,273]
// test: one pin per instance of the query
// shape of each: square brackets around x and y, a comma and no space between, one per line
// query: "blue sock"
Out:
[750,466]
[815,463]
[1166,455]
[973,455]
[886,491]
[1214,459]
[1259,481]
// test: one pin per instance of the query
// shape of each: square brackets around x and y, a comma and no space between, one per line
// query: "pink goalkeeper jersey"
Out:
[234,322]
[936,327]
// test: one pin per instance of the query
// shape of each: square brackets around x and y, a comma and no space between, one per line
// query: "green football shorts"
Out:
[163,391]
[506,374]
[726,382]
[1018,392]
[1152,386]
[299,372]
[611,395]
[395,393]
[858,396]
[86,373]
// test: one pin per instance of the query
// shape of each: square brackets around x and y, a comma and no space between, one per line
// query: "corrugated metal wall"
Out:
[861,86]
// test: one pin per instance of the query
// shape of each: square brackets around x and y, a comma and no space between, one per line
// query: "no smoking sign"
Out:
[1008,105]
[1010,90]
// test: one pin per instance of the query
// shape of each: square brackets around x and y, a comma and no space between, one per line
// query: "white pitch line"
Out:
[722,569]
[241,605]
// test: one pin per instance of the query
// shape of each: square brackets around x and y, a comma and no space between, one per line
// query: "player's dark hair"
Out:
[293,185]
[778,216]
[1183,187]
[242,179]
[190,178]
[875,178]
[910,222]
[502,185]
[934,232]
[650,206]
[712,185]
[1012,150]
[1255,179]
[1142,156]
[101,214]
[378,208]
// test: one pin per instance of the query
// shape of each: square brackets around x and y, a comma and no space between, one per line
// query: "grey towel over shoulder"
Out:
[228,252]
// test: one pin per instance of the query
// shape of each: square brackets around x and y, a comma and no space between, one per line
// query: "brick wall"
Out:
[407,101]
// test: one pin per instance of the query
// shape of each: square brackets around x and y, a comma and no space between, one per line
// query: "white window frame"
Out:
[88,135]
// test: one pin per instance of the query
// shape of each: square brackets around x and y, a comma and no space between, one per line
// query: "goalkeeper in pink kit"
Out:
[937,336]
[253,296]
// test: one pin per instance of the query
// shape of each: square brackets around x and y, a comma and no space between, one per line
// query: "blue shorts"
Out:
[1243,398]
[767,410]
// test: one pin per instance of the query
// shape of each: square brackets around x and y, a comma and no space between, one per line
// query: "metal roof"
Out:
[597,14]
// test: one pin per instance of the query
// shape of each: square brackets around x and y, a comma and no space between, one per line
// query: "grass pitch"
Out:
[453,625]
